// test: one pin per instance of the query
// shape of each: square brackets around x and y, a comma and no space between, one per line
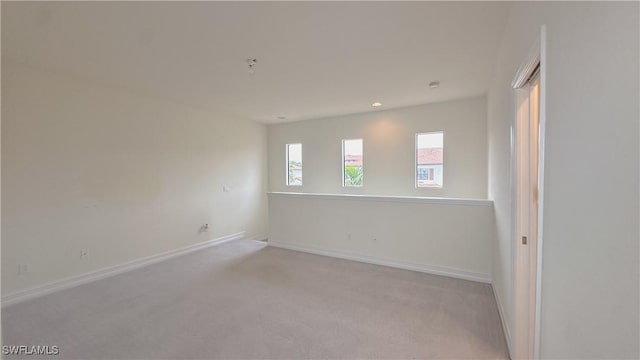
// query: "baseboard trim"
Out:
[258,237]
[73,281]
[429,269]
[505,328]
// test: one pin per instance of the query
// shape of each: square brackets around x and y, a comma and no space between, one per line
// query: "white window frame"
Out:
[415,161]
[286,168]
[342,166]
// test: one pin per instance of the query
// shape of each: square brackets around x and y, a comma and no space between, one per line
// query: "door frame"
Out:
[526,339]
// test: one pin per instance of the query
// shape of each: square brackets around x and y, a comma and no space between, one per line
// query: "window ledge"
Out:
[383,198]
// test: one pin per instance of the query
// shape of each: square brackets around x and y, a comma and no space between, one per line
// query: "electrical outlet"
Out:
[84,254]
[23,269]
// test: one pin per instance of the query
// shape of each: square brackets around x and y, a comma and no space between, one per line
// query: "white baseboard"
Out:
[429,269]
[48,288]
[258,237]
[505,327]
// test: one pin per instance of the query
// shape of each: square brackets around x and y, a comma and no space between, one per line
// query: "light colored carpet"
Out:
[245,300]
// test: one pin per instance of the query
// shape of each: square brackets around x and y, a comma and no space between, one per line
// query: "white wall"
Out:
[590,265]
[445,237]
[119,174]
[389,150]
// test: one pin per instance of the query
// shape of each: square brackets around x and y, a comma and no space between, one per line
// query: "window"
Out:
[294,164]
[429,159]
[352,168]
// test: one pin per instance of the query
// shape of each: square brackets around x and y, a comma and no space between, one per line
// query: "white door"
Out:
[527,180]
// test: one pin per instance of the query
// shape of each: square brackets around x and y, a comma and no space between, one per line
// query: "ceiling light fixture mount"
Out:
[434,84]
[376,104]
[252,63]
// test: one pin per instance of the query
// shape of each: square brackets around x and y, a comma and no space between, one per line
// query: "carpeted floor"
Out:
[244,300]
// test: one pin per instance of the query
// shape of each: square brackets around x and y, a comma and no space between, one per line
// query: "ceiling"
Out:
[315,59]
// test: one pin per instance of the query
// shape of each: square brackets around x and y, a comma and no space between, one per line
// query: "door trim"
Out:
[541,162]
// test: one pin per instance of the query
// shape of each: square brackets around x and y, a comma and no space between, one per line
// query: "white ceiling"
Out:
[314,59]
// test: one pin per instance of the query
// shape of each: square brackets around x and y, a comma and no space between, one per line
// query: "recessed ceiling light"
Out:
[376,104]
[434,84]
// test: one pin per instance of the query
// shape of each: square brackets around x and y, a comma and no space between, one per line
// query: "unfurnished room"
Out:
[320,180]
